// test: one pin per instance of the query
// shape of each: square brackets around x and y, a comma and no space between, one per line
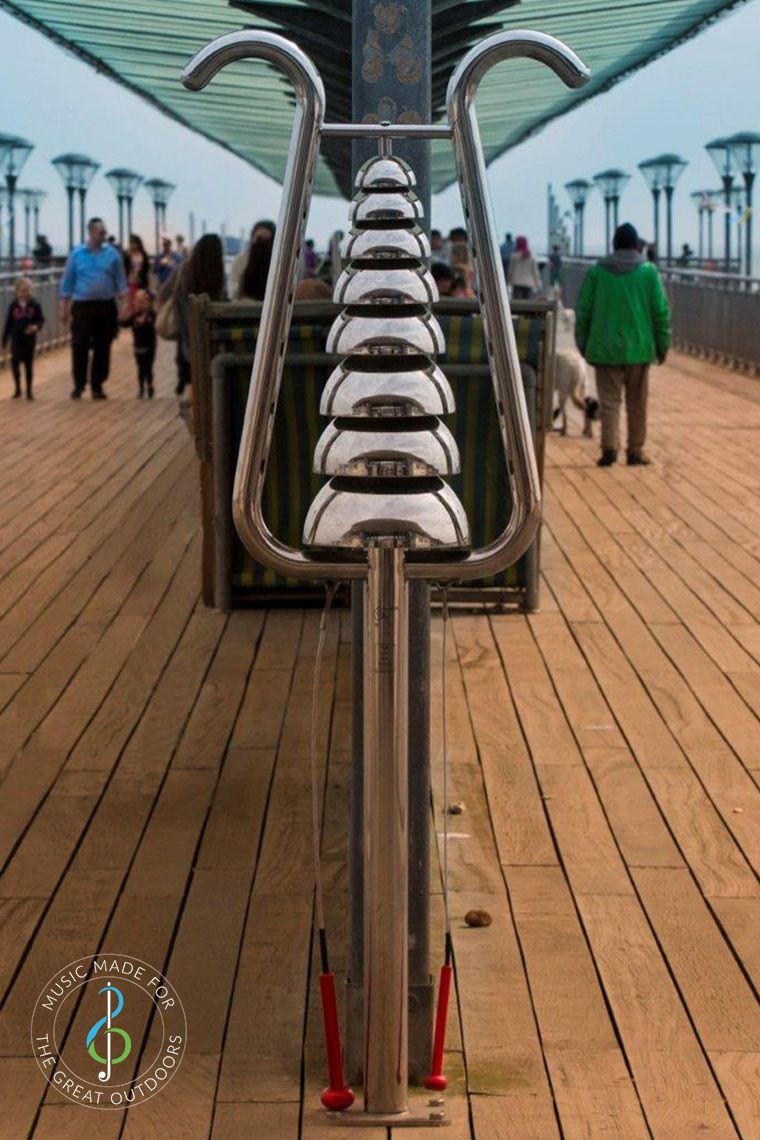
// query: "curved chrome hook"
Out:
[500,339]
[277,309]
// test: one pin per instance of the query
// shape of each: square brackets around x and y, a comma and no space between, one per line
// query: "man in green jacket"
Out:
[622,325]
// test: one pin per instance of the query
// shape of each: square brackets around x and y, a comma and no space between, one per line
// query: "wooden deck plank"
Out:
[156,791]
[504,1056]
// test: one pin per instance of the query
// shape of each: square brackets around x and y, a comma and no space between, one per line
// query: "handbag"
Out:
[167,320]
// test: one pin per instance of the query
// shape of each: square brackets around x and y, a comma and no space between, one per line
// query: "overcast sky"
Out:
[706,88]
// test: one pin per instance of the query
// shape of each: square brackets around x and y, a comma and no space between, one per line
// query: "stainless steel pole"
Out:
[386,624]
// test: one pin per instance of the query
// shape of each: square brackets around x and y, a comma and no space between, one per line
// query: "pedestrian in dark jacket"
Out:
[23,321]
[622,325]
[143,325]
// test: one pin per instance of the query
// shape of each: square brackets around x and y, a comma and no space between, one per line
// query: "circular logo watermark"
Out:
[108,1031]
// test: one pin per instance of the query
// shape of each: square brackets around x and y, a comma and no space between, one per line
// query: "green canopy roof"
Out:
[145,43]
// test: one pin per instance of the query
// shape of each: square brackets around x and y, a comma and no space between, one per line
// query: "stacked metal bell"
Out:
[386,450]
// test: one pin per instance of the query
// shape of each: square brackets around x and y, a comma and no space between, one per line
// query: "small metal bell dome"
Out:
[421,390]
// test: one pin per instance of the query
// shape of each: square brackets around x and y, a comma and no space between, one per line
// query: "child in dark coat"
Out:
[143,325]
[22,323]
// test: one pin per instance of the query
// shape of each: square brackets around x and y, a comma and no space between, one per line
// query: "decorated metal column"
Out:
[391,82]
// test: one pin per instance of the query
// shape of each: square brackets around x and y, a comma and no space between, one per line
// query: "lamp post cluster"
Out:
[661,175]
[737,155]
[77,172]
[579,191]
[734,156]
[125,184]
[14,152]
[160,192]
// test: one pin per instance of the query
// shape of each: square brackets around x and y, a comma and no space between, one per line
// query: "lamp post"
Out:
[3,204]
[611,184]
[160,192]
[77,172]
[32,200]
[745,153]
[578,191]
[13,154]
[712,197]
[699,198]
[86,175]
[125,184]
[4,147]
[737,212]
[663,172]
[720,153]
[652,176]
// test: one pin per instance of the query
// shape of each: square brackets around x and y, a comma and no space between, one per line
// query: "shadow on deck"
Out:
[155,798]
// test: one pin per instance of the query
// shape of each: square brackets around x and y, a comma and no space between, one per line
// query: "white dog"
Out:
[571,375]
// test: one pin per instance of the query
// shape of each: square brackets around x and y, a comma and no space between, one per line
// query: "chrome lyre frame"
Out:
[308,125]
[506,376]
[277,309]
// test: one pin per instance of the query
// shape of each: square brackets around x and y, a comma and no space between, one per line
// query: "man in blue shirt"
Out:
[166,261]
[93,280]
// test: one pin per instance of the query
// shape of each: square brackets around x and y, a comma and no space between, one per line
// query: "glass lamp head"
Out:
[612,182]
[578,190]
[124,183]
[14,152]
[745,151]
[720,152]
[76,170]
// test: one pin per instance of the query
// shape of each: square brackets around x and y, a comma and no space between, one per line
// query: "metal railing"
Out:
[715,315]
[46,283]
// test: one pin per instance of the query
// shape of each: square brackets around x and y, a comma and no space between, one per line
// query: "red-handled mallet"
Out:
[436,1081]
[337,1096]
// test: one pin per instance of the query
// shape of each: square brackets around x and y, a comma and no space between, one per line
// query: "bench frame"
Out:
[212,440]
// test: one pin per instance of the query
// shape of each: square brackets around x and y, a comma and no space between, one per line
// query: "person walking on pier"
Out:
[201,272]
[22,323]
[142,321]
[522,272]
[622,325]
[92,282]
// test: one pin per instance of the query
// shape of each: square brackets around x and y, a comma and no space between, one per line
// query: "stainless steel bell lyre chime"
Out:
[386,450]
[386,515]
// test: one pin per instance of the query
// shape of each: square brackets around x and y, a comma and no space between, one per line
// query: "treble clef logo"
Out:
[109,1060]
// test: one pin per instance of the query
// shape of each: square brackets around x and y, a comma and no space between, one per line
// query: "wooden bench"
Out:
[223,343]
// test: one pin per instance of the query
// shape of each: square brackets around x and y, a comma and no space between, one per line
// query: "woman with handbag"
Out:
[201,272]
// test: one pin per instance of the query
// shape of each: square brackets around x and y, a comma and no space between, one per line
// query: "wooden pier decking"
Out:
[155,798]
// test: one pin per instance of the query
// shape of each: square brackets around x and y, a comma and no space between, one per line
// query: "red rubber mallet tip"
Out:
[436,1083]
[337,1100]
